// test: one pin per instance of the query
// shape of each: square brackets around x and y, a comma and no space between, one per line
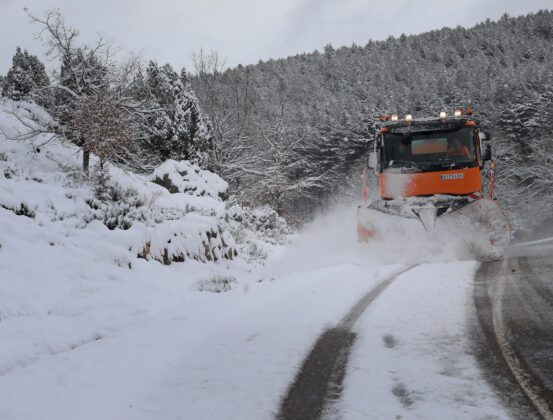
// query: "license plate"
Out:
[452,176]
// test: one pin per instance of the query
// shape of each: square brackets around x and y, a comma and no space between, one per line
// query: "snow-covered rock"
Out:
[185,177]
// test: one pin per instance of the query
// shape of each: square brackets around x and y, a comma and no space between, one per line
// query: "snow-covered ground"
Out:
[69,285]
[88,330]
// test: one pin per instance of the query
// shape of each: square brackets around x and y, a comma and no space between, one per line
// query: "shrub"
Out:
[217,283]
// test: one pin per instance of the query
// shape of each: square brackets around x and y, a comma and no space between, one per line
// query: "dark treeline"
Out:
[294,131]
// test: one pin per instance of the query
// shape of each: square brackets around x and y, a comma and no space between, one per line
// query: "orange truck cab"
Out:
[430,156]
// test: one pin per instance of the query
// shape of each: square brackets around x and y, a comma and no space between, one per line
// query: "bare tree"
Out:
[83,68]
[230,112]
[103,126]
[280,174]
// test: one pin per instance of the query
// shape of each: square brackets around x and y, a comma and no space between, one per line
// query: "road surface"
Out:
[357,338]
[510,326]
[514,299]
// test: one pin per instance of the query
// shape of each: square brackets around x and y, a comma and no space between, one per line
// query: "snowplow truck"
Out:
[430,176]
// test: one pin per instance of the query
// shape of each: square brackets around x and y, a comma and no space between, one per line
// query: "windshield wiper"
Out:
[452,163]
[408,162]
[405,166]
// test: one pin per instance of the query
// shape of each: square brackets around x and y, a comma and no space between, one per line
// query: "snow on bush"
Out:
[177,213]
[192,237]
[185,177]
[217,283]
[142,219]
[264,221]
[256,230]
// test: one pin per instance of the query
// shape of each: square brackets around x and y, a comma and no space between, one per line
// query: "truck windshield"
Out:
[425,150]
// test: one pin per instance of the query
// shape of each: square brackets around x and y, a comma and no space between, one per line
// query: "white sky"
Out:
[244,31]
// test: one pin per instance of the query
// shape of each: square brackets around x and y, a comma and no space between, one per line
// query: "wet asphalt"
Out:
[319,381]
[514,336]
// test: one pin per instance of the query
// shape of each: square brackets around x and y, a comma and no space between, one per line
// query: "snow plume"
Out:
[331,239]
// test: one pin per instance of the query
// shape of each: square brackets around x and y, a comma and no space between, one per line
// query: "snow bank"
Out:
[72,267]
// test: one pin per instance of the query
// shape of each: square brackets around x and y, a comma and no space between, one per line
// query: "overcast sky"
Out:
[244,31]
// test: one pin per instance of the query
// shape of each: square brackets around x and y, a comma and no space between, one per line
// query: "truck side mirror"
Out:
[372,160]
[485,136]
[487,152]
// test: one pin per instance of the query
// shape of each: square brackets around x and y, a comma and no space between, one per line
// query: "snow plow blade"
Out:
[479,228]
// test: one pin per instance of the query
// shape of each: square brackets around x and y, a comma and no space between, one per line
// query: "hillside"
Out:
[77,267]
[330,100]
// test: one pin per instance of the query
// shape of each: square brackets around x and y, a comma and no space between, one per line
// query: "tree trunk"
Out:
[86,161]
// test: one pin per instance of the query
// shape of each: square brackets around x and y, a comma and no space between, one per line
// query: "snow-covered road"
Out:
[183,355]
[412,355]
[232,358]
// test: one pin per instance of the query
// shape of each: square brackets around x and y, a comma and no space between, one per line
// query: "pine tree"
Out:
[159,82]
[175,125]
[82,71]
[192,132]
[200,132]
[26,76]
[181,125]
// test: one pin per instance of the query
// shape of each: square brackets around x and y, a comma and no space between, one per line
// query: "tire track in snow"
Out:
[319,380]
